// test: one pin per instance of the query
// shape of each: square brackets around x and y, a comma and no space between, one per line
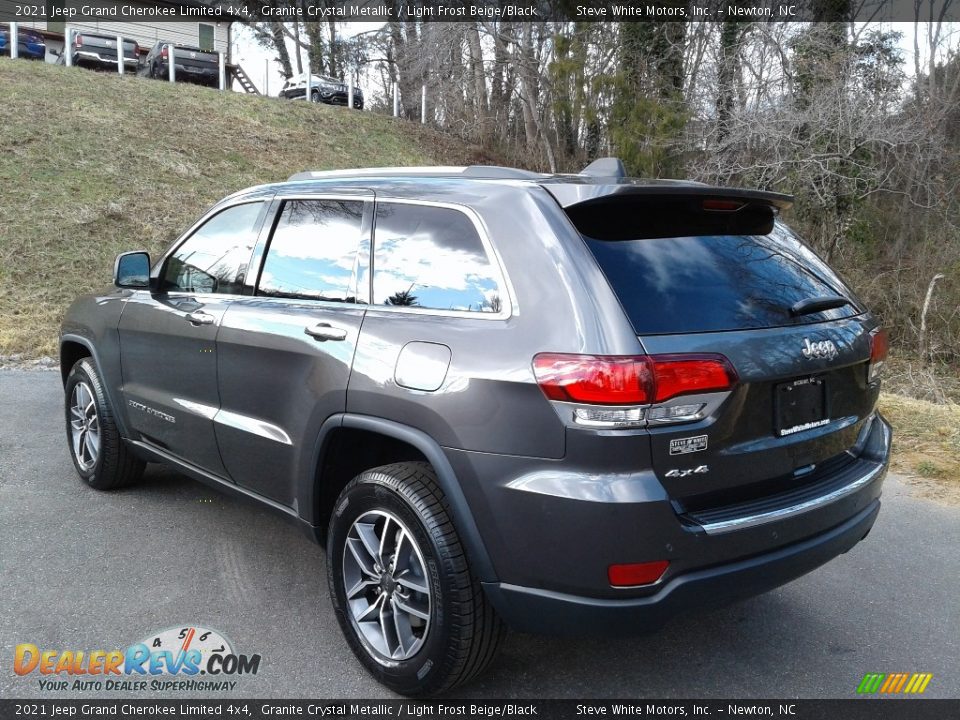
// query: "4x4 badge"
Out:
[823,349]
[699,470]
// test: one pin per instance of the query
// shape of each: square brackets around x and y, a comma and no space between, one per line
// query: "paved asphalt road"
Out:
[87,570]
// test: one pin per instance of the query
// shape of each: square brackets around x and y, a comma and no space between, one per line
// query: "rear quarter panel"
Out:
[489,401]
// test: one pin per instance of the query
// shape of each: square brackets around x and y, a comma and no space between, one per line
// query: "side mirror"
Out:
[132,270]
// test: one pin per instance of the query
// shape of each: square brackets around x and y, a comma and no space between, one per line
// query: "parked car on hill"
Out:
[31,44]
[99,52]
[323,88]
[562,403]
[191,64]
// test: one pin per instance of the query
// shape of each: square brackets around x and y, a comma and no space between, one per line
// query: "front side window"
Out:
[313,254]
[214,259]
[432,257]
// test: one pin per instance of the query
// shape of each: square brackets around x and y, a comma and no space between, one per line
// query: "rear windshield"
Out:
[718,282]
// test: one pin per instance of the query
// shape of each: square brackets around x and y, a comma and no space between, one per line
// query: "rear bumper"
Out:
[93,59]
[543,611]
[552,528]
[190,73]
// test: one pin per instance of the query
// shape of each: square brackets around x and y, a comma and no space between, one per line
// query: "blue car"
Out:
[31,44]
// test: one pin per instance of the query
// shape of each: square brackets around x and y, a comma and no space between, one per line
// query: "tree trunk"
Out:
[280,45]
[479,80]
[299,54]
[726,79]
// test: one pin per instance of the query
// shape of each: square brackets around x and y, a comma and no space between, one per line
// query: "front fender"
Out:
[92,322]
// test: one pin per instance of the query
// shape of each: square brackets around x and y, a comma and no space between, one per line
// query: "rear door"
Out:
[285,354]
[700,286]
[167,335]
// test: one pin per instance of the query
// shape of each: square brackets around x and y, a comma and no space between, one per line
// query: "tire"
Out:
[315,96]
[456,632]
[102,458]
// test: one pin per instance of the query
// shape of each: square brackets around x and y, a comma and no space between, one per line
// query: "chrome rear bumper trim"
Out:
[746,521]
[725,526]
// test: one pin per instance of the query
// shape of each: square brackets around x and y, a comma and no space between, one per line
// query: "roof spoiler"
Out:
[570,194]
[605,167]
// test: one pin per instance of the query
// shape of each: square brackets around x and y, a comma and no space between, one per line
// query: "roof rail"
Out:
[498,172]
[486,172]
[605,167]
[439,171]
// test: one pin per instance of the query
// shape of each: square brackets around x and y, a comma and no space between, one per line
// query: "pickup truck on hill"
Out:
[100,52]
[191,64]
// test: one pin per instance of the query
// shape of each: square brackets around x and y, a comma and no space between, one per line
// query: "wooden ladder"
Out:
[245,82]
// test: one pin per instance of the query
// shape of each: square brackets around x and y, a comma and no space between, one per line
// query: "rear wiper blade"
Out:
[818,304]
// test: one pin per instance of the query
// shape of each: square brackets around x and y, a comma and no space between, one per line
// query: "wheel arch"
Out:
[429,450]
[76,347]
[72,349]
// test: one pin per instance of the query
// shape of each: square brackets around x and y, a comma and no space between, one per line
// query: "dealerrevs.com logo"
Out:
[176,659]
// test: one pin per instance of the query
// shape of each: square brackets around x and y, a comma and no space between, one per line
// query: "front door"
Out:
[167,336]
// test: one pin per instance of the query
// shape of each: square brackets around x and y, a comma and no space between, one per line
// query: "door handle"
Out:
[325,331]
[198,317]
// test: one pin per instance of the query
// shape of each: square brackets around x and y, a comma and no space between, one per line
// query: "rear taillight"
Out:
[595,379]
[78,42]
[687,374]
[879,348]
[633,574]
[163,52]
[136,50]
[640,380]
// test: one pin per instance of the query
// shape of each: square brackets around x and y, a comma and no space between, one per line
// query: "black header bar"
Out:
[253,709]
[474,10]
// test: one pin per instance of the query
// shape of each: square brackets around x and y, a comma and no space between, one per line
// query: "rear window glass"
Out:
[717,282]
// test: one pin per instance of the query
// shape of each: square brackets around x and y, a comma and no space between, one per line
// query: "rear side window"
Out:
[313,253]
[717,282]
[431,257]
[214,259]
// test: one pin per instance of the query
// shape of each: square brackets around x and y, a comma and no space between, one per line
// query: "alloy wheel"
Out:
[387,593]
[84,426]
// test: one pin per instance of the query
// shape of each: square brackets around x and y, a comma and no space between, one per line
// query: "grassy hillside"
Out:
[92,164]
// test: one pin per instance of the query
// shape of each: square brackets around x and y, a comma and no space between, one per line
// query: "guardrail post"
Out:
[14,40]
[350,93]
[68,46]
[396,99]
[308,88]
[120,55]
[423,105]
[171,64]
[222,67]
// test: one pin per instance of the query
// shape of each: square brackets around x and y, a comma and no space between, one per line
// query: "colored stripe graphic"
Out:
[894,683]
[870,683]
[889,682]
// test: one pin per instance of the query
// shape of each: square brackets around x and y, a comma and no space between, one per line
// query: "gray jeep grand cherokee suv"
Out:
[560,403]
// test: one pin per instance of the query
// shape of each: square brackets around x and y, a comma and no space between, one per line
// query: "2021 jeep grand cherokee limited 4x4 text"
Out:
[561,403]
